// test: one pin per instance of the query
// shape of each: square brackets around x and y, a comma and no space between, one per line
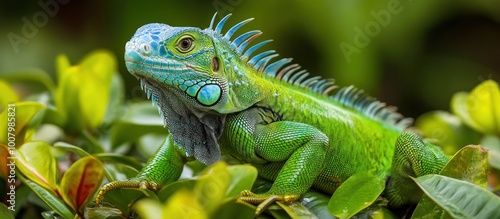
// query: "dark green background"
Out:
[427,52]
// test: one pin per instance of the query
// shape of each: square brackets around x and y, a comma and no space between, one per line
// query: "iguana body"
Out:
[214,96]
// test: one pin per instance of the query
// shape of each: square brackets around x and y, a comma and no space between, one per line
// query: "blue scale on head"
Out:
[162,51]
[193,90]
[154,36]
[183,87]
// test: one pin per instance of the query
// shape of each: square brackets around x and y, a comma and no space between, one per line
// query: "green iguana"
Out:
[214,97]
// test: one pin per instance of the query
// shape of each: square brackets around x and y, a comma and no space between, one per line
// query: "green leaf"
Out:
[218,184]
[492,143]
[459,198]
[30,75]
[130,161]
[183,204]
[118,171]
[103,212]
[98,69]
[36,161]
[296,210]
[102,64]
[469,164]
[81,181]
[233,209]
[67,99]
[62,64]
[168,191]
[317,203]
[89,80]
[446,130]
[116,99]
[8,95]
[4,158]
[123,198]
[242,178]
[71,148]
[49,198]
[54,116]
[26,120]
[210,189]
[148,144]
[481,108]
[147,208]
[356,193]
[139,119]
[5,213]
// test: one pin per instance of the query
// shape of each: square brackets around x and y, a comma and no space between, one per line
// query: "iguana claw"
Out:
[144,184]
[264,200]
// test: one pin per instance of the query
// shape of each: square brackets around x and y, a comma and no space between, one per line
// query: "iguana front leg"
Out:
[164,167]
[290,153]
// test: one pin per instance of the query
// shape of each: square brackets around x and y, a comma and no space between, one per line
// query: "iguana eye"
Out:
[185,44]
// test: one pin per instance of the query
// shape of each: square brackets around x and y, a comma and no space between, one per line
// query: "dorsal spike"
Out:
[233,29]
[328,88]
[299,80]
[236,42]
[289,73]
[259,56]
[284,70]
[273,68]
[297,75]
[317,85]
[243,45]
[310,81]
[261,64]
[371,108]
[324,84]
[221,23]
[363,100]
[253,48]
[404,123]
[212,21]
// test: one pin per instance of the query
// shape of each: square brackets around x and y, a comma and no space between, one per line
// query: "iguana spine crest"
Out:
[350,97]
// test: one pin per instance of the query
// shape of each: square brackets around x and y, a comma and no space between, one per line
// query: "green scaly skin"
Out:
[214,98]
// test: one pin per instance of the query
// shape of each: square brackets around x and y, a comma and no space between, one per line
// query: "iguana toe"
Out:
[133,183]
[264,200]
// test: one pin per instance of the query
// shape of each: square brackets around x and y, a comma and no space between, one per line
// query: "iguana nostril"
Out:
[215,64]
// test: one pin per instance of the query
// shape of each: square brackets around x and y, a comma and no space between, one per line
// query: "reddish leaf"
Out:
[81,181]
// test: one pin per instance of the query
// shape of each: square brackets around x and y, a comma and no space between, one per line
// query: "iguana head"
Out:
[195,77]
